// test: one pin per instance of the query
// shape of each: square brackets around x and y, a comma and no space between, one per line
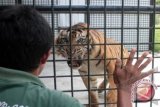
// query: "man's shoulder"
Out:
[62,100]
[57,98]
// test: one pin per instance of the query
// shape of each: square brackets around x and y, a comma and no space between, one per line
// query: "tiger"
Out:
[86,51]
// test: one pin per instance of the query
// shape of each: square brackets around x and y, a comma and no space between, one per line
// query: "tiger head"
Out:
[73,44]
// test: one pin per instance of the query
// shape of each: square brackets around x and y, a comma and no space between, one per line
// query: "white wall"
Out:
[64,19]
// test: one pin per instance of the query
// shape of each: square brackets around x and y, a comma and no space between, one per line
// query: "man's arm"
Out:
[124,98]
[125,76]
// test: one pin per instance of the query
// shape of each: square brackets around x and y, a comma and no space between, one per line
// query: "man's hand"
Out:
[125,76]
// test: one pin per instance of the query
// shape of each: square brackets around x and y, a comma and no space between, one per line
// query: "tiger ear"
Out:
[56,44]
[60,31]
[56,40]
[57,36]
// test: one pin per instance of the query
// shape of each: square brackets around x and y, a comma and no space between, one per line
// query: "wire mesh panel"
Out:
[120,2]
[7,2]
[132,23]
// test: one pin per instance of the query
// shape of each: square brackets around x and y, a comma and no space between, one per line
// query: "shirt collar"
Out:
[18,76]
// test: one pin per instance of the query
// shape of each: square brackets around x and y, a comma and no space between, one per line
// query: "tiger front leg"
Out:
[103,85]
[111,96]
[92,86]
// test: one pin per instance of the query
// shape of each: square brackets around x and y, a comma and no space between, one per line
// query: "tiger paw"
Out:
[111,96]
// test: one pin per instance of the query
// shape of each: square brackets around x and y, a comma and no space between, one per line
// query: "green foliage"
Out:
[157,31]
[157,39]
[157,21]
[158,2]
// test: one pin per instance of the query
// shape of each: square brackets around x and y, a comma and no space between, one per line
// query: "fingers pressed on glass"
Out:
[140,59]
[117,69]
[131,56]
[118,63]
[145,74]
[145,64]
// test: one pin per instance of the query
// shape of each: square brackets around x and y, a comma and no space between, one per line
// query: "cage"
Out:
[133,23]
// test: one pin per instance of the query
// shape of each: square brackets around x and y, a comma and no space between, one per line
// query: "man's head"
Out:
[25,37]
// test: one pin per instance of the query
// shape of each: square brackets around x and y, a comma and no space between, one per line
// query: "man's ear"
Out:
[44,58]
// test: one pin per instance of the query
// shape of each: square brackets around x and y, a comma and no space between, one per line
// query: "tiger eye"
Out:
[81,40]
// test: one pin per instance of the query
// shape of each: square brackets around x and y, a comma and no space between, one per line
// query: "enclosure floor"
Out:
[63,82]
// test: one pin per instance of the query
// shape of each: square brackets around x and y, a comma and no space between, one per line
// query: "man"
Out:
[25,43]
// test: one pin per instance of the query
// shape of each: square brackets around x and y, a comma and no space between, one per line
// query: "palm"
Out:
[129,74]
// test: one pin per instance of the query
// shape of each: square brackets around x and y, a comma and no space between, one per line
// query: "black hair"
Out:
[25,36]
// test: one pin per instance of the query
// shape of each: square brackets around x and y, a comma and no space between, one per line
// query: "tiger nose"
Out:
[69,62]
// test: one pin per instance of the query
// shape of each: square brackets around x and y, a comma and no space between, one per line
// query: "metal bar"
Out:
[70,38]
[34,2]
[83,8]
[153,35]
[144,43]
[61,60]
[138,12]
[18,1]
[88,61]
[116,28]
[122,28]
[105,42]
[151,26]
[53,48]
[62,76]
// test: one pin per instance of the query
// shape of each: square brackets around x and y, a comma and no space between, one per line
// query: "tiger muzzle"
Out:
[74,63]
